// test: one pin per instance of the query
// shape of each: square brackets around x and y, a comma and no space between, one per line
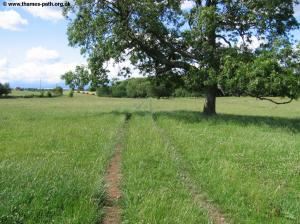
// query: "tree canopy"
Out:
[209,43]
[77,79]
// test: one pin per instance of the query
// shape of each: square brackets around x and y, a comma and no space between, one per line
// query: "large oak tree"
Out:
[208,42]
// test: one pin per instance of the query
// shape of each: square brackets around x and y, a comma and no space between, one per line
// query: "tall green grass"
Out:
[152,190]
[54,151]
[248,166]
[52,161]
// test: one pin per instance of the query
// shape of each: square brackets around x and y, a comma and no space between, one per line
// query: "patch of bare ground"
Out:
[112,181]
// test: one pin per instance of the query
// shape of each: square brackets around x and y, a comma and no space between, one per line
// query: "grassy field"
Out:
[152,191]
[54,152]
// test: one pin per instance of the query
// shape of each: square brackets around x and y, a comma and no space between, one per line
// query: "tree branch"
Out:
[157,55]
[173,47]
[223,38]
[278,103]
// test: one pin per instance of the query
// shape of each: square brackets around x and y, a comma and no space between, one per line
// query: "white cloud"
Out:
[39,64]
[32,71]
[11,20]
[3,62]
[41,54]
[52,13]
[187,4]
[114,69]
[253,44]
[297,10]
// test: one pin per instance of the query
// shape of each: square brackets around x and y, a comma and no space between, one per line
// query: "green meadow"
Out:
[54,152]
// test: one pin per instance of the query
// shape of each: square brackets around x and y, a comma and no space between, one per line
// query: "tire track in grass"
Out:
[113,179]
[199,198]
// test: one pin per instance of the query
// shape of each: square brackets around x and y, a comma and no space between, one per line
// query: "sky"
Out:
[34,45]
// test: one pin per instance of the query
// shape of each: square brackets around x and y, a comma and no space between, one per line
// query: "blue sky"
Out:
[34,45]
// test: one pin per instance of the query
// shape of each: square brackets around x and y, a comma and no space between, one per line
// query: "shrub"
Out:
[48,94]
[4,89]
[58,91]
[196,94]
[119,90]
[144,89]
[131,89]
[71,93]
[28,96]
[103,91]
[160,91]
[92,89]
[181,92]
[42,94]
[137,87]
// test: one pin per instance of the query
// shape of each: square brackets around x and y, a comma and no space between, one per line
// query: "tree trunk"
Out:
[210,101]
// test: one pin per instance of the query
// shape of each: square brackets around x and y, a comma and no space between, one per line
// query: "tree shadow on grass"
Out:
[193,117]
[10,97]
[289,124]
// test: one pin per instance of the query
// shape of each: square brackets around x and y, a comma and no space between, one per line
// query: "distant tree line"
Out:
[57,91]
[4,89]
[169,85]
[33,92]
[30,89]
[146,87]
